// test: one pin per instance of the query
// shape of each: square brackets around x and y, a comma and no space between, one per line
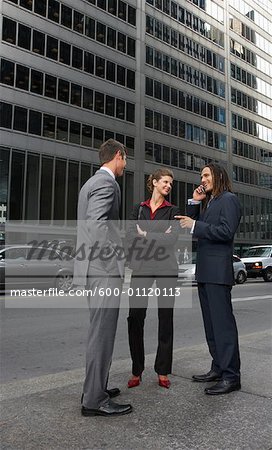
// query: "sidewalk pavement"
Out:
[44,412]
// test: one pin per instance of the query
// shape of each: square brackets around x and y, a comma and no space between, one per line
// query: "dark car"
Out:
[26,267]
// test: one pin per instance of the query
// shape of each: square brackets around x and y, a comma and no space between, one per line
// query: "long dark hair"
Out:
[221,182]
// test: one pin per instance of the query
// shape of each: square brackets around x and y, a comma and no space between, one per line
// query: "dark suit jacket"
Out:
[98,216]
[156,240]
[215,229]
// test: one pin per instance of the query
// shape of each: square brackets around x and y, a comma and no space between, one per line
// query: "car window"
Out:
[235,259]
[14,253]
[259,251]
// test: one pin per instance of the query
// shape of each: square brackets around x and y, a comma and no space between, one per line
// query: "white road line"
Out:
[247,299]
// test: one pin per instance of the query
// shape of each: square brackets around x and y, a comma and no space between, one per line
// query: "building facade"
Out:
[180,83]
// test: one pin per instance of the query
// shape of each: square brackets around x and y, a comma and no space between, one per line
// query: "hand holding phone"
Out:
[199,193]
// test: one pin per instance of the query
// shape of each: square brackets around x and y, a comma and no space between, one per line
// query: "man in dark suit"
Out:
[99,268]
[214,227]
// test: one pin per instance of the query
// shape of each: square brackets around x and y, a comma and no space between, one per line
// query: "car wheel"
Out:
[64,282]
[241,277]
[268,275]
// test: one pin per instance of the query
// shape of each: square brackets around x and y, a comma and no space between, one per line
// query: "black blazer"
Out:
[157,249]
[215,229]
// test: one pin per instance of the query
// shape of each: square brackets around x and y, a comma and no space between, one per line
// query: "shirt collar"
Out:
[109,171]
[164,203]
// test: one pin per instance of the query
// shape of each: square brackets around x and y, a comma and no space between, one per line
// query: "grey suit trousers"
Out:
[104,311]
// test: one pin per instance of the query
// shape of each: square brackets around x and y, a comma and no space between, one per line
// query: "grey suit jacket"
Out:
[215,229]
[98,237]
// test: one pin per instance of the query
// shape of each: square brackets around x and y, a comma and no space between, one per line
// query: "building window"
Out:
[77,57]
[122,10]
[112,7]
[88,62]
[50,89]
[76,94]
[5,115]
[62,129]
[66,16]
[121,75]
[101,32]
[40,7]
[100,67]
[87,98]
[86,135]
[74,134]
[130,113]
[131,15]
[24,37]
[9,30]
[65,53]
[52,48]
[38,43]
[110,73]
[99,102]
[90,27]
[111,38]
[49,126]
[120,109]
[98,137]
[22,77]
[121,44]
[20,119]
[35,123]
[78,22]
[46,188]
[63,91]
[53,10]
[36,83]
[7,72]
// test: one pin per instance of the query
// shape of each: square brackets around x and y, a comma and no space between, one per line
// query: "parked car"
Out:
[26,267]
[186,271]
[258,262]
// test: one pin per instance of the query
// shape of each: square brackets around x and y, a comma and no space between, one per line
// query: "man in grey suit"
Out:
[98,267]
[214,227]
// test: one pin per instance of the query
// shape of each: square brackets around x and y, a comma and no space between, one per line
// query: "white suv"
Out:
[258,261]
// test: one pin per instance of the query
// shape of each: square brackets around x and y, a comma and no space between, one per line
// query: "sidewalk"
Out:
[44,412]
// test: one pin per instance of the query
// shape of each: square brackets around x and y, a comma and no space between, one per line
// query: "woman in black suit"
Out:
[153,229]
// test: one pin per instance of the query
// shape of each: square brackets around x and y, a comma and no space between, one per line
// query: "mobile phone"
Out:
[202,189]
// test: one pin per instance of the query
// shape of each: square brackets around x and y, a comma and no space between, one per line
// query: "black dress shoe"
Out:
[223,387]
[111,393]
[210,376]
[109,409]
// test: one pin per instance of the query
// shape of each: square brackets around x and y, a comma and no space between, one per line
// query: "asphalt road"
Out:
[39,341]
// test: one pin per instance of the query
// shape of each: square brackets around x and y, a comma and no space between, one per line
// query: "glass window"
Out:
[24,37]
[88,62]
[65,53]
[98,137]
[148,118]
[166,155]
[50,89]
[174,126]
[101,32]
[40,7]
[7,72]
[87,98]
[74,133]
[189,132]
[99,102]
[26,4]
[121,75]
[59,191]
[52,48]
[130,79]
[149,56]
[53,10]
[22,77]
[120,109]
[181,129]
[46,188]
[77,57]
[49,126]
[76,94]
[78,22]
[20,119]
[90,27]
[36,82]
[166,93]
[166,124]
[35,123]
[112,7]
[109,135]
[121,44]
[9,30]
[148,151]
[101,4]
[157,153]
[131,47]
[5,115]
[66,16]
[131,15]
[149,87]
[181,100]
[100,67]
[87,135]
[62,129]
[122,10]
[32,187]
[63,91]
[110,105]
[38,43]
[130,113]
[110,74]
[111,38]
[174,96]
[17,186]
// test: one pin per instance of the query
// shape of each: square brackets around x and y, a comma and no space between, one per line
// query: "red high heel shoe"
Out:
[164,382]
[135,381]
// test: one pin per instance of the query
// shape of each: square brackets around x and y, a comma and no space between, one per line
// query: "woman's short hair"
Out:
[108,150]
[157,175]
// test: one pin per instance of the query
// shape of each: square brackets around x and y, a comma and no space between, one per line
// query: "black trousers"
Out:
[137,313]
[220,329]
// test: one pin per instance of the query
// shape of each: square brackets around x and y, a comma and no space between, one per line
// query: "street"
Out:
[36,342]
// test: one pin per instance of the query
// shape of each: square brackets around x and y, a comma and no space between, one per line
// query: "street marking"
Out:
[248,299]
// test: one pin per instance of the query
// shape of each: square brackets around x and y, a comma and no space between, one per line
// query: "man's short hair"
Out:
[108,150]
